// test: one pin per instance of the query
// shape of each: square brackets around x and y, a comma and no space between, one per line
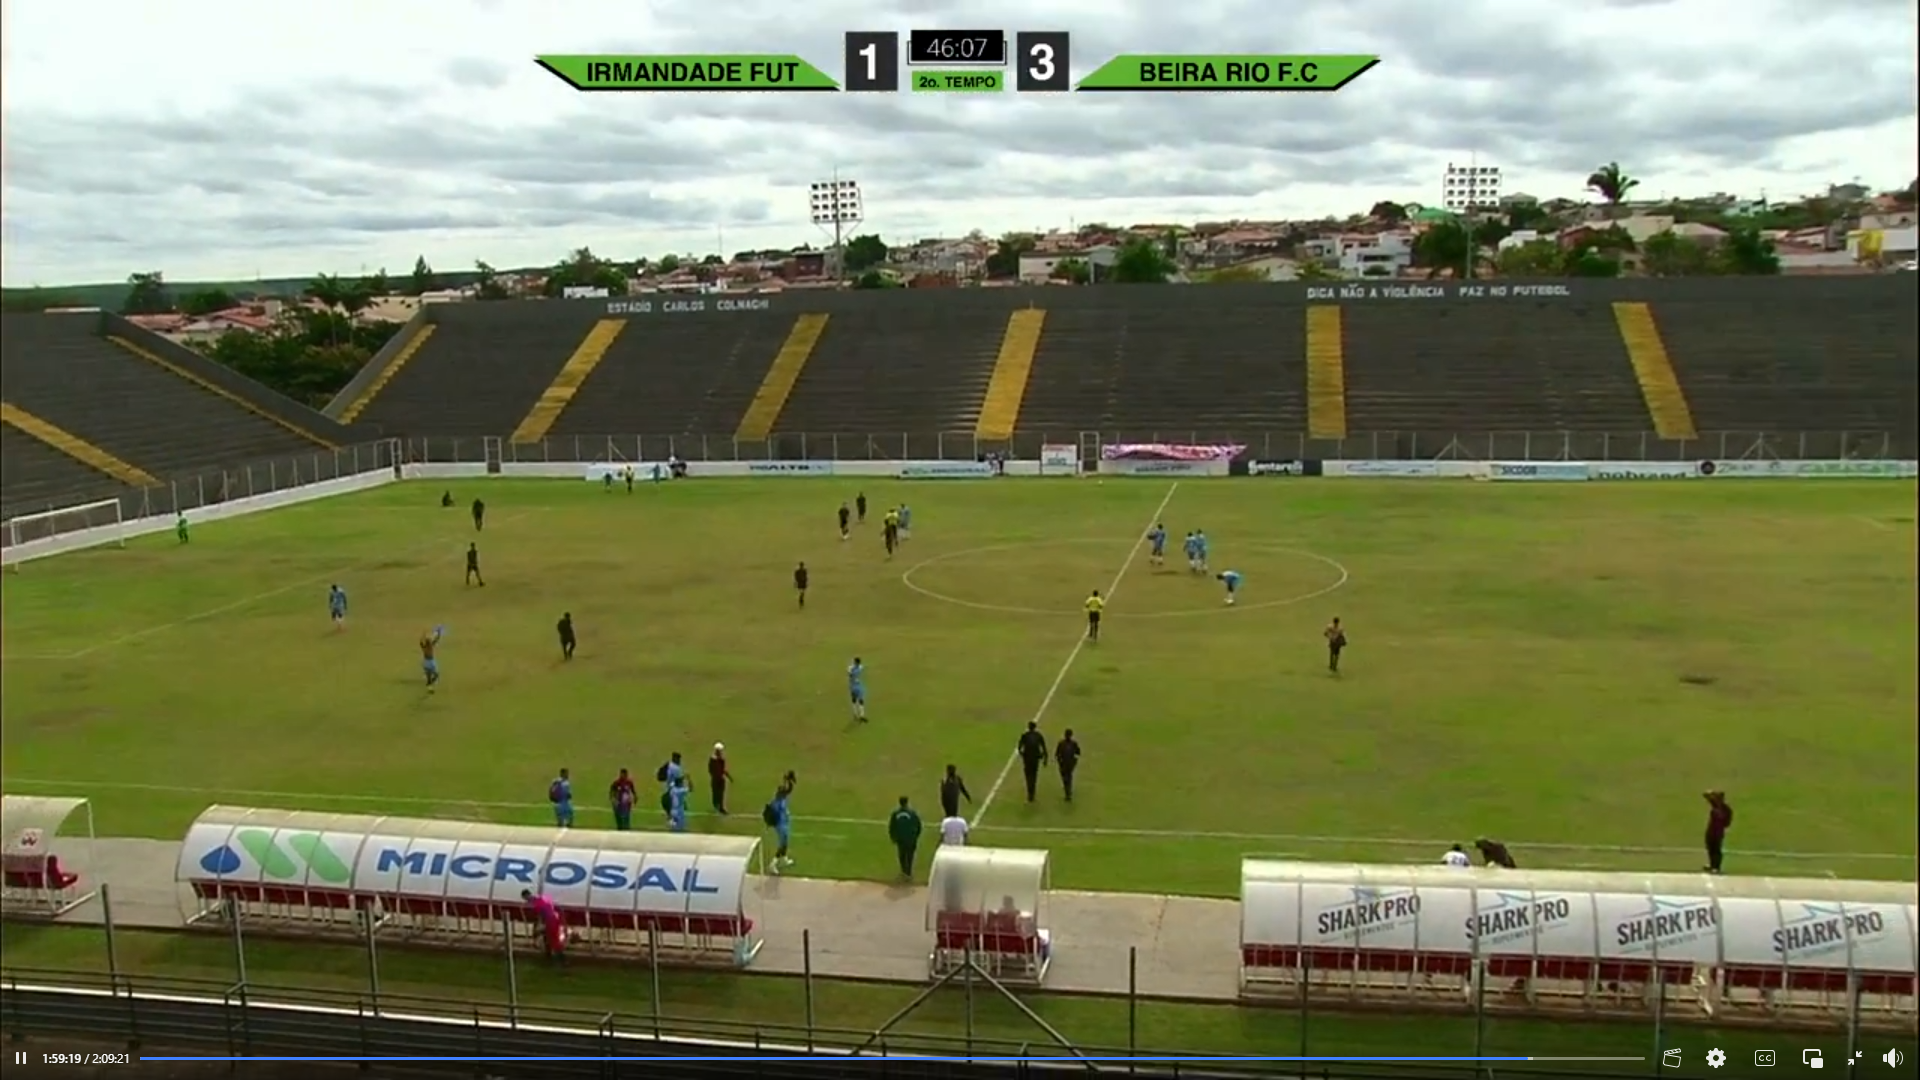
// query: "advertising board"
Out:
[1394,469]
[1059,459]
[1643,470]
[945,470]
[1811,470]
[1551,471]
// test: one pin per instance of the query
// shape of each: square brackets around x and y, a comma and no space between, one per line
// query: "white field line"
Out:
[304,799]
[243,602]
[1079,646]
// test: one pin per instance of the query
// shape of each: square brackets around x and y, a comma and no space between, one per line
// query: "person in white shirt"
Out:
[1456,858]
[953,831]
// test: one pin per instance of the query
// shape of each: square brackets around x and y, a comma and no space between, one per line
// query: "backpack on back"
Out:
[662,774]
[556,793]
[770,815]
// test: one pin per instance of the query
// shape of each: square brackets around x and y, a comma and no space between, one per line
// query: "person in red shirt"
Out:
[718,778]
[553,931]
[622,794]
[1719,820]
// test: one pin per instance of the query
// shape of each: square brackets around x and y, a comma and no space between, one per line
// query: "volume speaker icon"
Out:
[1893,1058]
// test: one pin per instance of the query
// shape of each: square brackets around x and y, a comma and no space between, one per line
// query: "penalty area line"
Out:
[1079,647]
[1292,839]
[237,605]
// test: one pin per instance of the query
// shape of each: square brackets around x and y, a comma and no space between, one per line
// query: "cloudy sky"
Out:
[279,139]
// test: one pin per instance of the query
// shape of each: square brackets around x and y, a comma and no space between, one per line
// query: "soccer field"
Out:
[1562,667]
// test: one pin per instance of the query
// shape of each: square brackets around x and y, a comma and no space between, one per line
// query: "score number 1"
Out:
[1044,61]
[872,62]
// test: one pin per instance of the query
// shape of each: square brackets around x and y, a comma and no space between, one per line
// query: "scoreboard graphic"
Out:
[961,62]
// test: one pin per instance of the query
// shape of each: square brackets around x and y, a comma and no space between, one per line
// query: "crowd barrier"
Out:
[676,895]
[1584,942]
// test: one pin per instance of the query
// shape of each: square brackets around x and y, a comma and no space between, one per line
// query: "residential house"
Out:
[1038,269]
[1361,254]
[1273,267]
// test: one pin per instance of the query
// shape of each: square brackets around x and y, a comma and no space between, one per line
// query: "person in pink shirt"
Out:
[553,931]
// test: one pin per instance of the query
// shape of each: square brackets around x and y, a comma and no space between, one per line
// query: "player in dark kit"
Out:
[952,790]
[890,531]
[1719,820]
[479,515]
[845,514]
[1067,757]
[473,563]
[860,506]
[565,629]
[1495,853]
[1336,636]
[1033,754]
[800,583]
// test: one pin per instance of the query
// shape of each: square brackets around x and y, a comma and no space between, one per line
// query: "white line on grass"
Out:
[1079,646]
[305,798]
[243,602]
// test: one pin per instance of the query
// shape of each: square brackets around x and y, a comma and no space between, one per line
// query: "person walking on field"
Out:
[904,828]
[1719,820]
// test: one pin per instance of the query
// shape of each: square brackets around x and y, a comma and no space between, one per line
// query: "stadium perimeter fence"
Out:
[1261,445]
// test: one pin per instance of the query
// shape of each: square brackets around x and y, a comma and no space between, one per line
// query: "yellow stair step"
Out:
[559,393]
[1653,368]
[414,344]
[1326,373]
[76,447]
[1000,409]
[757,423]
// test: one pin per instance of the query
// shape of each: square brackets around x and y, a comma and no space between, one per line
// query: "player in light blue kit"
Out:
[857,689]
[906,522]
[1231,578]
[1157,536]
[677,804]
[1200,549]
[337,606]
[429,666]
[1191,547]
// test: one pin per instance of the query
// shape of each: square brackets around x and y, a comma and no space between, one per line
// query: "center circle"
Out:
[1263,563]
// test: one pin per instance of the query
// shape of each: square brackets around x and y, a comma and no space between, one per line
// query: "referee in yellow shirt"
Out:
[1095,605]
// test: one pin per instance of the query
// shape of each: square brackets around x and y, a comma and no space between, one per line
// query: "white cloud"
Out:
[284,139]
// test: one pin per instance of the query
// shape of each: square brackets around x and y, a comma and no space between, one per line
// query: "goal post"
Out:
[70,528]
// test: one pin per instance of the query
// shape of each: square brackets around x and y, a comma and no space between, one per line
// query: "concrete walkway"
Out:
[1188,946]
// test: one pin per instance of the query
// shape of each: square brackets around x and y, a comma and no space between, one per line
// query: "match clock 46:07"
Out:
[986,47]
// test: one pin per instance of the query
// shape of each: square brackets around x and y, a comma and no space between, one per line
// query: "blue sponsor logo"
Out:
[559,873]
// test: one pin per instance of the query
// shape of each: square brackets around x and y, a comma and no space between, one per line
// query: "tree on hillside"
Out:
[486,283]
[667,264]
[207,301]
[864,253]
[308,357]
[1390,212]
[146,295]
[377,284]
[875,279]
[1528,215]
[341,300]
[1535,258]
[1612,185]
[1237,275]
[1667,254]
[1745,252]
[583,269]
[1072,271]
[1004,262]
[421,281]
[1141,263]
[1442,247]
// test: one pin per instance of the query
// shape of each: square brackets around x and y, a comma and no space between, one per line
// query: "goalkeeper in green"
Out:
[180,527]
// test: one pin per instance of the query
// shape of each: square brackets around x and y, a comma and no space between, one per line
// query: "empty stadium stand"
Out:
[59,369]
[1134,362]
[39,477]
[887,370]
[1442,367]
[224,382]
[1778,355]
[355,398]
[676,375]
[482,370]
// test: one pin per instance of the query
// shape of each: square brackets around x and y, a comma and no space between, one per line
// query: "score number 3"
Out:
[1041,69]
[1045,61]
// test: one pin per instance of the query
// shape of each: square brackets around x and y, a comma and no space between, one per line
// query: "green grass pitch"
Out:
[1563,667]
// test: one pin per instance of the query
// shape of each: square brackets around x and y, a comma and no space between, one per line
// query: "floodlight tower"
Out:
[836,203]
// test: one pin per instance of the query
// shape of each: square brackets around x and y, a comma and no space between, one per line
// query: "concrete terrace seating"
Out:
[1206,362]
[38,477]
[59,369]
[1787,356]
[672,375]
[1442,368]
[484,367]
[892,369]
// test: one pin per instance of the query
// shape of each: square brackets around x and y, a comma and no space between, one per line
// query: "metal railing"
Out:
[1265,445]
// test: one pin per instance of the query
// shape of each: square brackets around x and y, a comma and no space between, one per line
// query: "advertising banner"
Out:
[1217,467]
[945,470]
[1538,470]
[1400,469]
[1283,468]
[1809,470]
[789,468]
[1058,459]
[1643,470]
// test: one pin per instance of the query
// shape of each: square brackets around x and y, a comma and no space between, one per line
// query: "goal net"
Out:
[94,524]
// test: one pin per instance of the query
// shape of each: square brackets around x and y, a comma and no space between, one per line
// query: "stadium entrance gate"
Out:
[491,446]
[1090,446]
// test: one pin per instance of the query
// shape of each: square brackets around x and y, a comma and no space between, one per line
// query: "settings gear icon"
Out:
[1716,1057]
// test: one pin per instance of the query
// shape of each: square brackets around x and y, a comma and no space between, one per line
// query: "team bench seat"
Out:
[1816,980]
[1003,942]
[1283,959]
[37,884]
